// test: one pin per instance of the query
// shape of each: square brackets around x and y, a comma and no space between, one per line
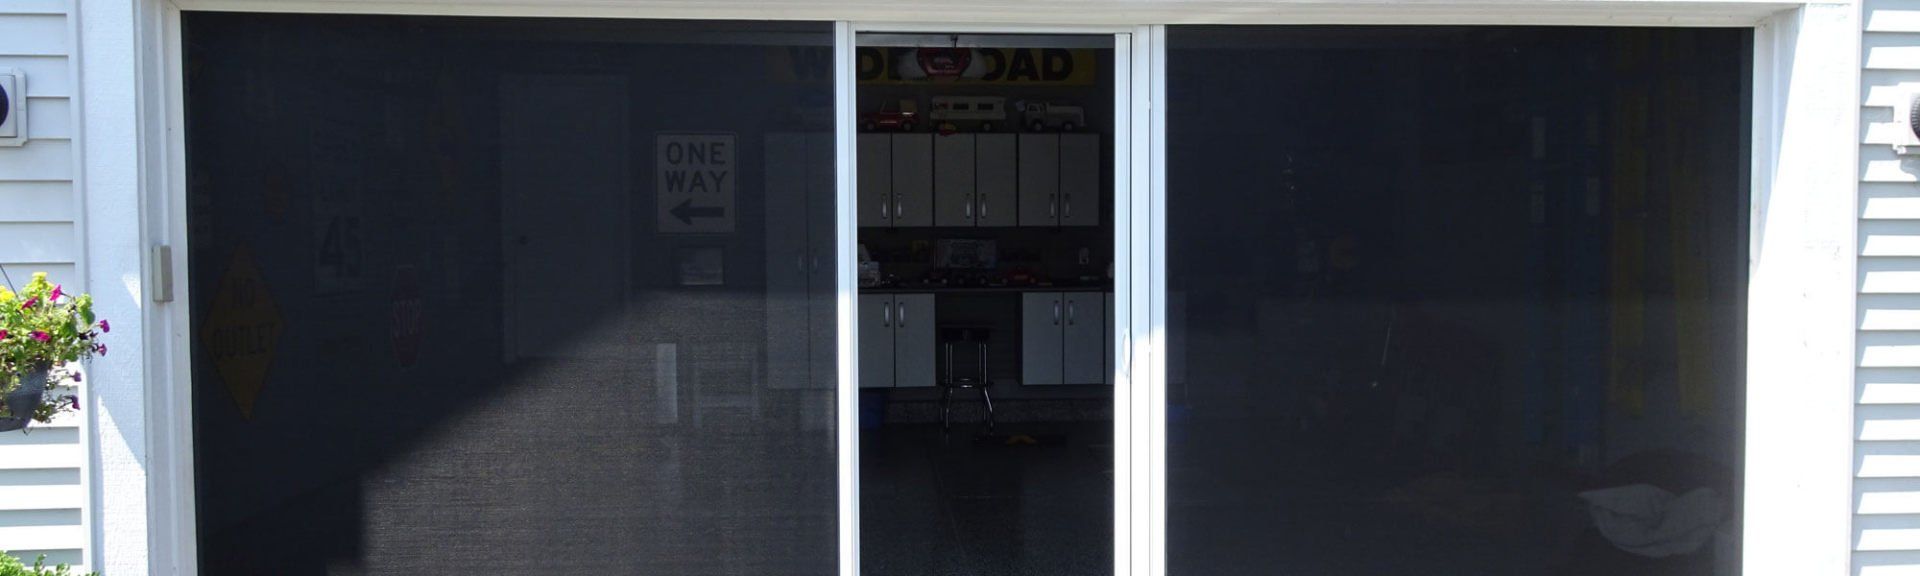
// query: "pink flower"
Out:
[29,303]
[100,349]
[3,334]
[104,328]
[41,336]
[55,296]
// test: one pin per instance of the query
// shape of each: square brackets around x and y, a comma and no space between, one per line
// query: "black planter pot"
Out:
[22,401]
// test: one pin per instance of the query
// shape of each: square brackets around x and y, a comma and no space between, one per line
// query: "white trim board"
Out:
[1736,13]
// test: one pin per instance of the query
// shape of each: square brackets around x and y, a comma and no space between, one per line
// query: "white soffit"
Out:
[1740,13]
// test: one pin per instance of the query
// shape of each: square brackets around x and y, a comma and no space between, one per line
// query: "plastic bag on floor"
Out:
[1649,521]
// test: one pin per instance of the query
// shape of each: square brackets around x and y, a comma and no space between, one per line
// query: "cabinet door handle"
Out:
[1056,312]
[1053,205]
[899,208]
[1070,312]
[800,262]
[886,315]
[983,206]
[969,211]
[884,200]
[1067,212]
[903,314]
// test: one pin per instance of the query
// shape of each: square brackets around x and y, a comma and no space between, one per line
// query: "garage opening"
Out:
[1455,300]
[511,296]
[986,230]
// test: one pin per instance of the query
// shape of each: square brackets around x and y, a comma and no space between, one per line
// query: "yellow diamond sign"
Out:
[241,330]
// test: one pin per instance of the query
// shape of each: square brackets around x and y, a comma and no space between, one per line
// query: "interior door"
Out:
[564,182]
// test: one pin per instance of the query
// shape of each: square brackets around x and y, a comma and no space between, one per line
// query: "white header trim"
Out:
[1726,13]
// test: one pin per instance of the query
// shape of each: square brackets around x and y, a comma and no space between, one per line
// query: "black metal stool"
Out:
[964,365]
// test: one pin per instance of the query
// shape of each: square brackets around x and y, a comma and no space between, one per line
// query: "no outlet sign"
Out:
[695,186]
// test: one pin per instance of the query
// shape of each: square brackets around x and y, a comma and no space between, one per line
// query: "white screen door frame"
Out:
[1139,445]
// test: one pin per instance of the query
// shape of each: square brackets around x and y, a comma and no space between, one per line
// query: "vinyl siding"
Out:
[43,499]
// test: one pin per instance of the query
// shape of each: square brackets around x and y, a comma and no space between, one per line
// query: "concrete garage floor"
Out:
[964,504]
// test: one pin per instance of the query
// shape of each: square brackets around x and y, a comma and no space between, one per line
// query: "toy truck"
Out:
[1044,116]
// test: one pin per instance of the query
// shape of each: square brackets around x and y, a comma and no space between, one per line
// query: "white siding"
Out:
[42,496]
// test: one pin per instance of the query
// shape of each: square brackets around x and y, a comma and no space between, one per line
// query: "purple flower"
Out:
[76,376]
[104,327]
[55,296]
[41,336]
[100,349]
[74,401]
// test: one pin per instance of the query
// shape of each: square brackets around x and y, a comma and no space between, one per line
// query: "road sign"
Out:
[242,330]
[695,183]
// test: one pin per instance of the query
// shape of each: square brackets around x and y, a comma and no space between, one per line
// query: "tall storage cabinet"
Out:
[1080,180]
[896,340]
[799,266]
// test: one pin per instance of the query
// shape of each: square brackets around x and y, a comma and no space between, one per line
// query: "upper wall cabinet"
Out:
[895,180]
[1059,179]
[975,180]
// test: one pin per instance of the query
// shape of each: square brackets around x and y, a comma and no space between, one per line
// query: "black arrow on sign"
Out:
[686,211]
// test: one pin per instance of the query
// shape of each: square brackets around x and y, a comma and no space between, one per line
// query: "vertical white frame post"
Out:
[1128,403]
[847,242]
[1154,126]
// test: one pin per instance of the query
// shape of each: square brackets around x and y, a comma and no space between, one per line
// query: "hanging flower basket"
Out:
[44,336]
[25,399]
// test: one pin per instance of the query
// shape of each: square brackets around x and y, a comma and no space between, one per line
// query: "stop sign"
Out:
[406,315]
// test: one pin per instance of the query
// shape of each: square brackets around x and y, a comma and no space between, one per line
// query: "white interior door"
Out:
[564,182]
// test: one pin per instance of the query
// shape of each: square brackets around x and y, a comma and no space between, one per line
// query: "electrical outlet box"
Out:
[1907,115]
[13,107]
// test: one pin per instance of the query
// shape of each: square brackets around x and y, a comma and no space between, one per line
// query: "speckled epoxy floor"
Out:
[958,505]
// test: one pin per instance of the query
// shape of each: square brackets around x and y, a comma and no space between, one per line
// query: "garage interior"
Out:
[1455,300]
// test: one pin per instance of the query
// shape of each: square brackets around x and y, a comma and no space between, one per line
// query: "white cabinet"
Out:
[954,182]
[1039,179]
[1063,338]
[896,340]
[1084,340]
[975,180]
[912,179]
[996,179]
[894,184]
[1041,337]
[1079,180]
[874,179]
[800,303]
[1059,179]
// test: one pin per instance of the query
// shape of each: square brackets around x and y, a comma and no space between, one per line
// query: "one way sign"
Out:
[694,190]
